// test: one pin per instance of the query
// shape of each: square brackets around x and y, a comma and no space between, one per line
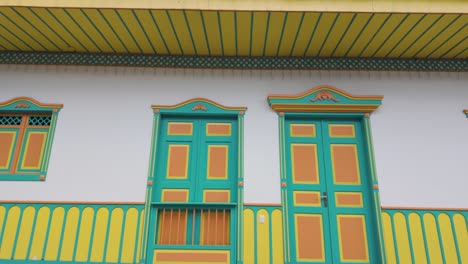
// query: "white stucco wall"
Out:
[102,140]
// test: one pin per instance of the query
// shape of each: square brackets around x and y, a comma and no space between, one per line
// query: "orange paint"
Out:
[309,237]
[353,241]
[304,163]
[349,199]
[302,130]
[199,99]
[307,198]
[342,131]
[179,128]
[215,227]
[217,196]
[180,256]
[172,227]
[220,129]
[177,161]
[34,150]
[345,164]
[217,161]
[175,195]
[6,148]
[30,100]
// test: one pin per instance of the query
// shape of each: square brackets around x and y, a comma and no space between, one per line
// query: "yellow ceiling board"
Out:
[453,33]
[397,6]
[428,34]
[228,32]
[260,21]
[133,26]
[105,30]
[381,36]
[337,33]
[352,34]
[182,32]
[121,29]
[243,20]
[152,31]
[17,35]
[164,24]
[275,33]
[450,43]
[293,23]
[457,51]
[211,24]
[195,23]
[320,35]
[305,35]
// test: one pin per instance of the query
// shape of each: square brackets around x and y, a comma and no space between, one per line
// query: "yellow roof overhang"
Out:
[279,28]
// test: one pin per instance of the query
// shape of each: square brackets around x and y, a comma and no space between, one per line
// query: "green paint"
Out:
[22,30]
[344,34]
[82,30]
[190,31]
[328,34]
[206,34]
[312,35]
[282,33]
[375,34]
[174,31]
[26,44]
[359,35]
[390,35]
[97,29]
[66,29]
[48,26]
[297,34]
[454,46]
[144,31]
[448,39]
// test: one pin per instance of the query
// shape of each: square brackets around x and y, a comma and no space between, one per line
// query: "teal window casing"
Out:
[465,112]
[26,134]
[193,185]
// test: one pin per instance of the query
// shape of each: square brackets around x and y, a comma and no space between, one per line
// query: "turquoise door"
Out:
[329,212]
[194,200]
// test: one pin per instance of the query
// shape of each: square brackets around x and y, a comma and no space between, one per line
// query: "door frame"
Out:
[329,102]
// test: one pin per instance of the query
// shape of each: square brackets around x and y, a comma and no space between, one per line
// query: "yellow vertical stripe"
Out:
[417,238]
[401,235]
[212,32]
[335,35]
[260,21]
[275,30]
[9,233]
[115,233]
[263,236]
[113,17]
[461,233]
[136,30]
[40,231]
[227,27]
[141,227]
[69,235]
[353,32]
[84,238]
[308,25]
[196,27]
[128,245]
[2,219]
[151,30]
[448,243]
[323,28]
[249,237]
[105,30]
[55,232]
[371,29]
[277,236]
[25,231]
[243,33]
[388,238]
[432,238]
[289,34]
[182,31]
[166,30]
[99,237]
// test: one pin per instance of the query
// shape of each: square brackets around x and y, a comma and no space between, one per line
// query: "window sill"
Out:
[22,177]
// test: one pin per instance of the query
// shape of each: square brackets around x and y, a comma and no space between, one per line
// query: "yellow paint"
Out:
[432,238]
[130,234]
[115,233]
[196,27]
[112,16]
[7,163]
[226,150]
[365,237]
[417,238]
[25,153]
[249,237]
[187,147]
[182,32]
[229,40]
[243,26]
[134,26]
[179,251]
[263,237]
[316,163]
[148,25]
[461,233]
[25,231]
[40,231]
[277,237]
[336,33]
[2,219]
[169,36]
[260,20]
[212,32]
[69,234]
[142,222]
[445,40]
[401,236]
[55,232]
[9,233]
[448,242]
[84,238]
[99,236]
[388,238]
[353,32]
[324,26]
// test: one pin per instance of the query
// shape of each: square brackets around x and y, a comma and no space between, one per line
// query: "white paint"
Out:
[102,141]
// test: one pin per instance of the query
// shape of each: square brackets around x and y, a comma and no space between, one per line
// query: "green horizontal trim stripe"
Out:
[211,62]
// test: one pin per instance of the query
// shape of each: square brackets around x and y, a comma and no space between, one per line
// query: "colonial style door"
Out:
[329,206]
[330,199]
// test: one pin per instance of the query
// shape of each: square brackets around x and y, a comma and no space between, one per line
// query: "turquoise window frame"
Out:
[195,108]
[465,112]
[25,106]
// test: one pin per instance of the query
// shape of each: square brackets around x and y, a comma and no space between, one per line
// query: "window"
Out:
[26,132]
[465,112]
[194,205]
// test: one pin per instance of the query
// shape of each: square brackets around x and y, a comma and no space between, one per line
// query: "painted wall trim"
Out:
[465,112]
[211,62]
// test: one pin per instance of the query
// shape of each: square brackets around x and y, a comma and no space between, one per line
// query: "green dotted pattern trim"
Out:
[210,62]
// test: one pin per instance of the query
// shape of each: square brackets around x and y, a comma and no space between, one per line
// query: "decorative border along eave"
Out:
[28,104]
[211,62]
[324,99]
